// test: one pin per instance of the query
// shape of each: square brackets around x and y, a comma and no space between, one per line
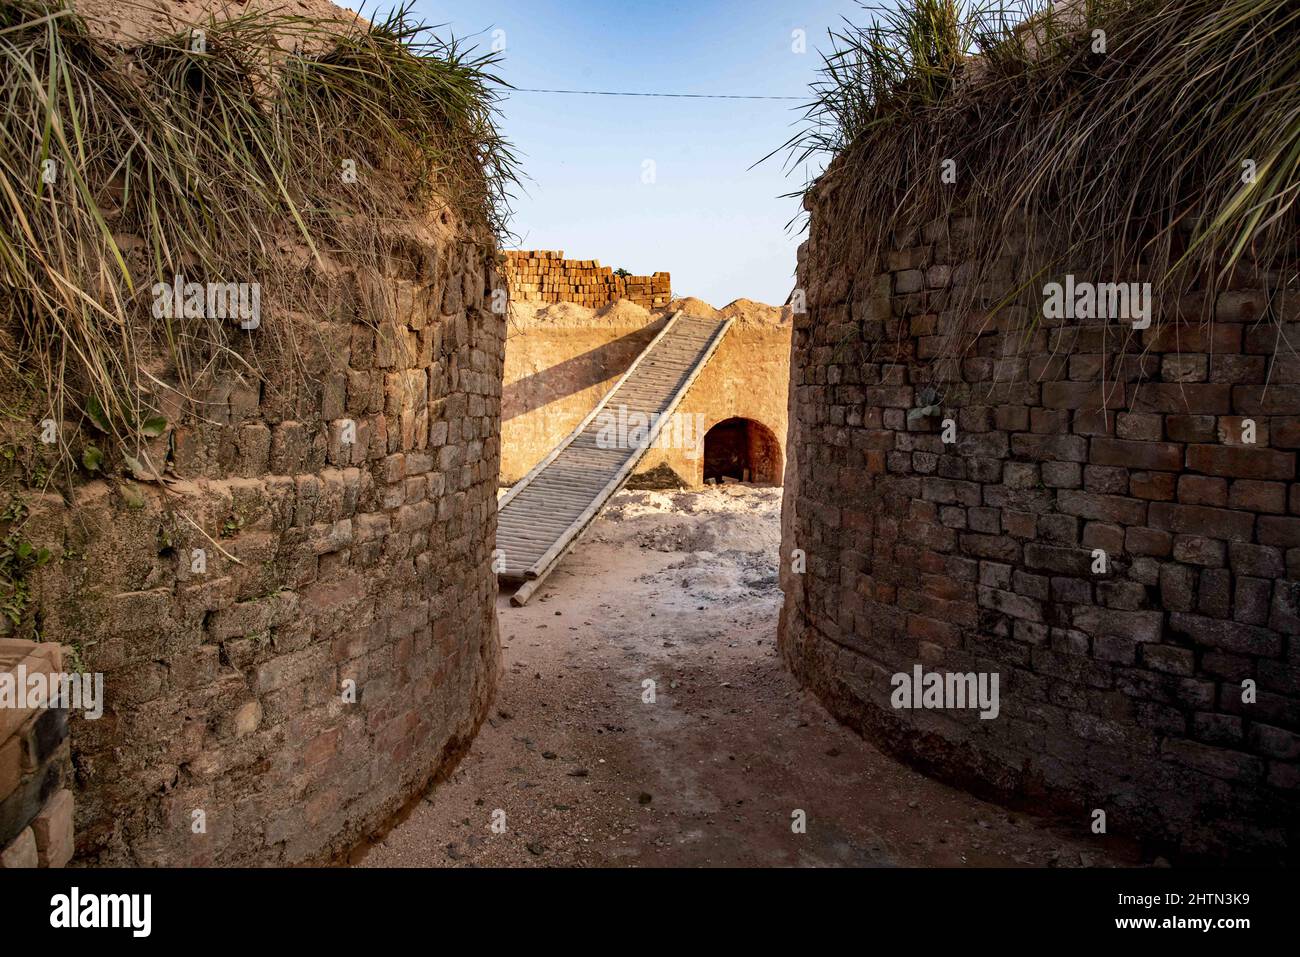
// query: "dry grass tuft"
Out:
[215,161]
[1118,165]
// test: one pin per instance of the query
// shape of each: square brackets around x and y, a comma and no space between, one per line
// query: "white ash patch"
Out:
[729,537]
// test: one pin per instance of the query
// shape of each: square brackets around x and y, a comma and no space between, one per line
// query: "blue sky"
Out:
[716,225]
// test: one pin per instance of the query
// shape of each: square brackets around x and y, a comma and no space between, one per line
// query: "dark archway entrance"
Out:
[743,450]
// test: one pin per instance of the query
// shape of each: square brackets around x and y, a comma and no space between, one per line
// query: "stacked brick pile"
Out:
[546,276]
[35,767]
[1163,689]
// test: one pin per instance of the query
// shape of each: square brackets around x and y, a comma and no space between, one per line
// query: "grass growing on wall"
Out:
[1098,136]
[220,158]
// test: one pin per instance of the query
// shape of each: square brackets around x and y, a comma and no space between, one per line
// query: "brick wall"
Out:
[557,369]
[546,276]
[35,768]
[1120,690]
[336,647]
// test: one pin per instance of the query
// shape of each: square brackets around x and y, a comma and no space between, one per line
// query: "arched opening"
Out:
[741,450]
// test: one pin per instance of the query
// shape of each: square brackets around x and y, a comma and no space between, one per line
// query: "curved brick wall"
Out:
[1120,690]
[295,620]
[327,562]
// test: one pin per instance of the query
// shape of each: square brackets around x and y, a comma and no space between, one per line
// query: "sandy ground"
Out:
[680,588]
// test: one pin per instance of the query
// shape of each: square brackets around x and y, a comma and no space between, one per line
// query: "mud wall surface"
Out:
[561,361]
[1161,686]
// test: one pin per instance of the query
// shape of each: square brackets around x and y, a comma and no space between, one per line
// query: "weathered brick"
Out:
[1059,528]
[1237,430]
[1011,418]
[1191,428]
[1217,728]
[1177,587]
[995,575]
[1185,367]
[951,492]
[11,765]
[1202,490]
[1062,474]
[1109,538]
[1199,550]
[909,280]
[1019,524]
[1063,561]
[1285,432]
[1203,585]
[1115,648]
[995,547]
[1241,305]
[1265,400]
[21,852]
[1105,480]
[1168,658]
[1139,427]
[1213,399]
[1284,615]
[1274,742]
[1202,520]
[1214,593]
[1137,625]
[1258,496]
[1066,448]
[1009,603]
[1227,635]
[1103,508]
[1250,602]
[1274,530]
[1241,462]
[1125,595]
[1236,369]
[1147,541]
[1217,762]
[1259,560]
[52,829]
[1165,456]
[1193,336]
[1083,395]
[1156,486]
[1049,421]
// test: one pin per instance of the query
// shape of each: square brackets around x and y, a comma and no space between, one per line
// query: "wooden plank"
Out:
[560,497]
[591,511]
[554,454]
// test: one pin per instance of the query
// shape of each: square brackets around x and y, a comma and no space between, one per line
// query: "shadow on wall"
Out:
[742,449]
[574,375]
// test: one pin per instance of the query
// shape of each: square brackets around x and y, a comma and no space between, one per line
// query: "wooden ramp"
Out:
[542,516]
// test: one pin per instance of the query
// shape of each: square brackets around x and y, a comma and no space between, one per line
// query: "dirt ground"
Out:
[680,588]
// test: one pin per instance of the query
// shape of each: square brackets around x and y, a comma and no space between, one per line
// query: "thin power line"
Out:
[692,96]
